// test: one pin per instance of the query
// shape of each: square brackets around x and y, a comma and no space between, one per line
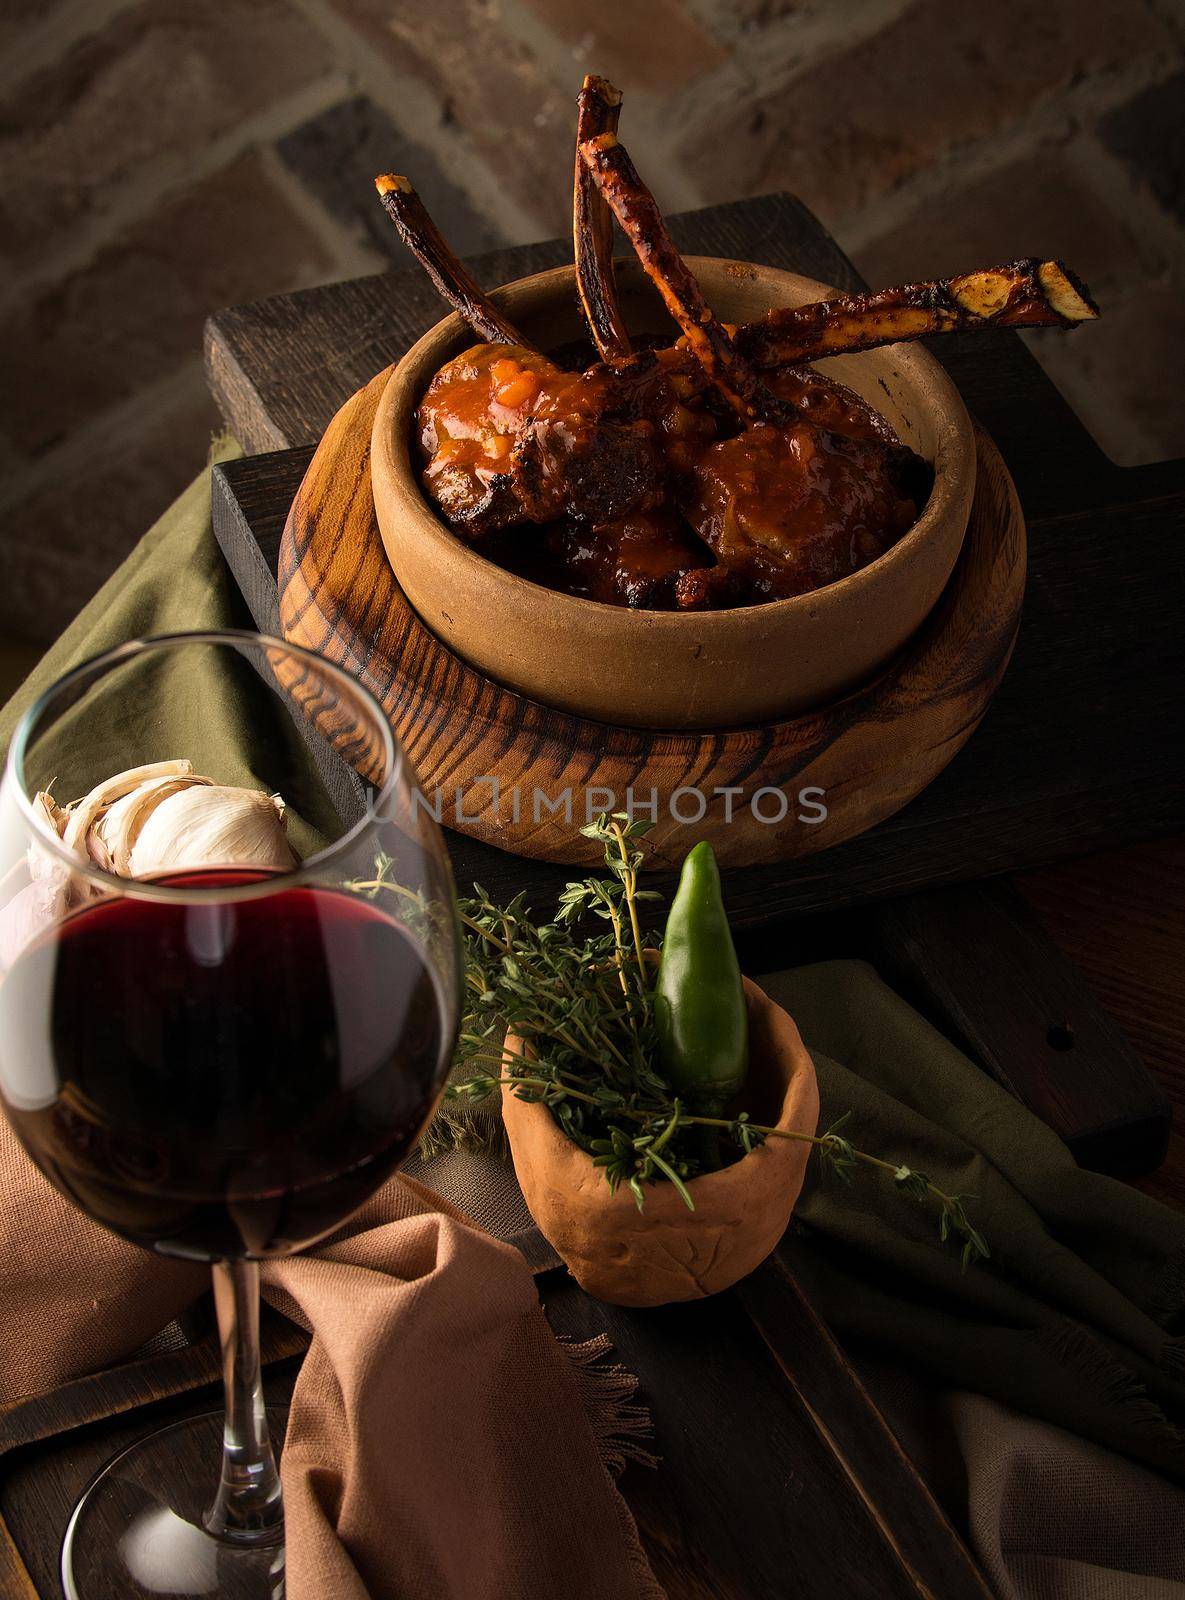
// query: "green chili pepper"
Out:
[699,1000]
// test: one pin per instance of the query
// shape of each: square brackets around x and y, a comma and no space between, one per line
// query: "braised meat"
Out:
[469,418]
[788,510]
[720,470]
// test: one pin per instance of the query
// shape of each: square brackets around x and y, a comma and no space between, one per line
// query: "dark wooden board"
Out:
[1120,918]
[812,1494]
[977,958]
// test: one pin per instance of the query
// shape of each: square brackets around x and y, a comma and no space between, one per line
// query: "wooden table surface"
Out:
[1121,917]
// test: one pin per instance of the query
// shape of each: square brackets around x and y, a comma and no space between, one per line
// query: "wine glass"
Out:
[222,1056]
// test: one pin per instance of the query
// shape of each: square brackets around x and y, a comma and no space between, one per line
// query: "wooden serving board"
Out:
[524,776]
[828,1504]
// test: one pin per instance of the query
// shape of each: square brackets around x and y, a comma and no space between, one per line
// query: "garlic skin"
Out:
[82,816]
[113,838]
[207,825]
[159,818]
[162,817]
[52,819]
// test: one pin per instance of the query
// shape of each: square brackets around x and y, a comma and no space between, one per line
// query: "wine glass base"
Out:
[138,1532]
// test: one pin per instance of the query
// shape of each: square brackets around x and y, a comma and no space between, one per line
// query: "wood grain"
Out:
[141,1381]
[858,1437]
[778,1476]
[1121,917]
[492,753]
[977,956]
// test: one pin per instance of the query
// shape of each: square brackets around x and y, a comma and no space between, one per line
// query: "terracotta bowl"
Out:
[667,1253]
[660,669]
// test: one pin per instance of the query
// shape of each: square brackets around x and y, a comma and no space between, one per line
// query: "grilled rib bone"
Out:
[1023,294]
[598,110]
[637,211]
[453,282]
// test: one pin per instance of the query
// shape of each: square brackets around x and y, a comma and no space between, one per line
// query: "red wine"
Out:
[225,1078]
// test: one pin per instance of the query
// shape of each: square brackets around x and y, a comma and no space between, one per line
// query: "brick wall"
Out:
[159,158]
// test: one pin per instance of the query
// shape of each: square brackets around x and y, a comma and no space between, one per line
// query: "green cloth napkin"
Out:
[1073,1319]
[175,580]
[1077,1316]
[207,706]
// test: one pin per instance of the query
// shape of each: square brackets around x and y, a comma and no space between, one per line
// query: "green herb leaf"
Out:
[576,990]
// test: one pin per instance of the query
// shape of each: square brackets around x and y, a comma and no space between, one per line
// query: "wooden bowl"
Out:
[715,669]
[488,757]
[667,1253]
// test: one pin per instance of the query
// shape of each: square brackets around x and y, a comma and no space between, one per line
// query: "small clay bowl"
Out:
[666,1252]
[657,669]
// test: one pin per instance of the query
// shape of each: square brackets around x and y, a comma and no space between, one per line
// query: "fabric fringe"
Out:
[222,440]
[619,1422]
[455,1127]
[1166,1303]
[1115,1385]
[1172,1359]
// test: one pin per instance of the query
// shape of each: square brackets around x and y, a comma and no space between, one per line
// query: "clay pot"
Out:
[667,1253]
[662,669]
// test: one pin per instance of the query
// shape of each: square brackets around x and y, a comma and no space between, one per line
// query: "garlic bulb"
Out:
[159,818]
[81,817]
[112,839]
[212,827]
[164,817]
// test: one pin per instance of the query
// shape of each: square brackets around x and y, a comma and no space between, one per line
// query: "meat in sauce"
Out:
[626,483]
[716,471]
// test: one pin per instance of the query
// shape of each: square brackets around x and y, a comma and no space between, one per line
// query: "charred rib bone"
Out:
[1024,294]
[641,221]
[452,280]
[599,107]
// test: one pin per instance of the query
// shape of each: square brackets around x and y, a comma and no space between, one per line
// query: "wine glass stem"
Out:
[248,1508]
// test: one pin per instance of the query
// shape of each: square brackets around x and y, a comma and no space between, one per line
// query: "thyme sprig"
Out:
[577,991]
[837,1154]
